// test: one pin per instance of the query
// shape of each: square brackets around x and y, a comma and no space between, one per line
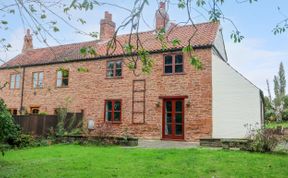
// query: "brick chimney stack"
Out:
[162,17]
[28,42]
[107,27]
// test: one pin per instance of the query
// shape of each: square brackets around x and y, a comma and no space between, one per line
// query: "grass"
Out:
[91,161]
[274,125]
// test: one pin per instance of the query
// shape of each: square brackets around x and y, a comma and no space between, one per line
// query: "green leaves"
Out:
[181,4]
[147,62]
[236,36]
[280,28]
[196,62]
[214,15]
[161,37]
[200,3]
[128,48]
[176,42]
[187,49]
[82,70]
[88,51]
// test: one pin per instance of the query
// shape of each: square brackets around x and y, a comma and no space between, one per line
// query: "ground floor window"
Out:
[34,110]
[13,111]
[113,111]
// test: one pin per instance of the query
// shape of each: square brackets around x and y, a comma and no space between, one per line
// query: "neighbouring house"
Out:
[175,101]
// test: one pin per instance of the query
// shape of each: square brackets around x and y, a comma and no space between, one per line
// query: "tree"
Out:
[278,107]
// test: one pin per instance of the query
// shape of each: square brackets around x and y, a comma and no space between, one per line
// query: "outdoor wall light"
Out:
[158,104]
[188,104]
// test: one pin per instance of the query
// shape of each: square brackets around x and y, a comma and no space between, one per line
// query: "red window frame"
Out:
[115,68]
[113,111]
[174,64]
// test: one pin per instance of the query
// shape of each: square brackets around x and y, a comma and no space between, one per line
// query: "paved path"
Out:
[165,144]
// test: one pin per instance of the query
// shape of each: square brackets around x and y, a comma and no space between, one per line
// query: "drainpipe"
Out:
[22,92]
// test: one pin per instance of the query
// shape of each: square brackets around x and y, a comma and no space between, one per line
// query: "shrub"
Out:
[9,131]
[261,140]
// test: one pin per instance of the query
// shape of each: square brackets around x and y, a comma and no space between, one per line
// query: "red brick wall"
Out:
[87,91]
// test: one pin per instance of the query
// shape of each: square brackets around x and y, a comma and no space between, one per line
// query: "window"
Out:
[113,111]
[34,110]
[15,81]
[13,112]
[62,78]
[114,69]
[173,64]
[38,79]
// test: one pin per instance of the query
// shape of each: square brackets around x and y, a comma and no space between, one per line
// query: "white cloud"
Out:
[255,62]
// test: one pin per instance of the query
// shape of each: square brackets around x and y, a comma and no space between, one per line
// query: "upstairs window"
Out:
[113,111]
[38,79]
[62,78]
[15,81]
[173,64]
[114,69]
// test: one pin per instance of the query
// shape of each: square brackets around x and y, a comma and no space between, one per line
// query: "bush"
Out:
[262,140]
[9,131]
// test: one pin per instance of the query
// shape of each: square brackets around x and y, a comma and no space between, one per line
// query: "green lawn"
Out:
[92,161]
[276,124]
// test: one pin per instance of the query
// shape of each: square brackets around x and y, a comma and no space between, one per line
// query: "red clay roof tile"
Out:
[204,35]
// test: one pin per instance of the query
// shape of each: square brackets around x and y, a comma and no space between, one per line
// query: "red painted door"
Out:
[173,119]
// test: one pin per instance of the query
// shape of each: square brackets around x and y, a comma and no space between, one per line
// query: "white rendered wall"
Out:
[236,101]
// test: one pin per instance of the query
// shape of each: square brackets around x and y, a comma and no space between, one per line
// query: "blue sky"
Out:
[257,57]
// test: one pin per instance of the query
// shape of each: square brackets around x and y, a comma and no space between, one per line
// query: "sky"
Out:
[257,57]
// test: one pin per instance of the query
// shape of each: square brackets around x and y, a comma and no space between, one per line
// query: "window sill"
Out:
[113,77]
[62,87]
[182,73]
[113,122]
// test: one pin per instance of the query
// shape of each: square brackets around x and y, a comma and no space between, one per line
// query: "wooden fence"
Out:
[41,124]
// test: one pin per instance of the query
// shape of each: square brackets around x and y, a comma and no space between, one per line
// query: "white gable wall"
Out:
[236,101]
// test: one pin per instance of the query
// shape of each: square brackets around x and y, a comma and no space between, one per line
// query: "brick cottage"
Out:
[175,101]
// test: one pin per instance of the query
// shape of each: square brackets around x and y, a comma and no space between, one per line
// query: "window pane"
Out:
[178,68]
[168,69]
[118,72]
[40,79]
[65,82]
[178,119]
[109,73]
[168,106]
[108,105]
[178,59]
[35,77]
[179,106]
[179,130]
[168,129]
[110,65]
[59,82]
[117,106]
[17,82]
[117,116]
[59,74]
[119,64]
[168,118]
[108,116]
[168,59]
[12,82]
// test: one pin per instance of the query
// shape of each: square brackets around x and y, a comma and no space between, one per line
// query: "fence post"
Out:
[44,125]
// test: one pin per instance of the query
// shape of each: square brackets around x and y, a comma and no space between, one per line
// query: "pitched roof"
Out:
[204,36]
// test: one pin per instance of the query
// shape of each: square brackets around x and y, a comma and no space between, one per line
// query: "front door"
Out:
[173,119]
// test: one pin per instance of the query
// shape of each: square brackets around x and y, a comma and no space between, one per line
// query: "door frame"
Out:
[171,98]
